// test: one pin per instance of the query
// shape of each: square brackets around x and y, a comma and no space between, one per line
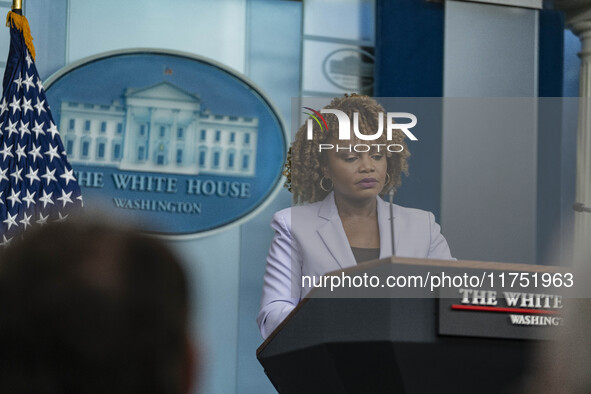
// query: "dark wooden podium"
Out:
[394,344]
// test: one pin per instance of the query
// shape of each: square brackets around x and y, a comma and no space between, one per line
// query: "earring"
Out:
[322,185]
[387,178]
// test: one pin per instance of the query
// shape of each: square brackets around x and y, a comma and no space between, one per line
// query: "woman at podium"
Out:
[344,220]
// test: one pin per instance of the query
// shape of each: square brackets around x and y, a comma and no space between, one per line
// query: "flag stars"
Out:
[10,220]
[52,129]
[28,59]
[20,152]
[42,219]
[26,106]
[28,82]
[38,129]
[3,106]
[26,220]
[6,151]
[52,153]
[24,129]
[68,175]
[40,106]
[65,198]
[14,197]
[32,175]
[16,174]
[46,199]
[5,242]
[35,152]
[49,175]
[33,183]
[15,105]
[29,198]
[61,218]
[11,128]
[19,82]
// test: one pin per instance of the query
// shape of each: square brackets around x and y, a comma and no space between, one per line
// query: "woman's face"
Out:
[356,175]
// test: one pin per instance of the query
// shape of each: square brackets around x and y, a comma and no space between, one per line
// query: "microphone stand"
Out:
[391,194]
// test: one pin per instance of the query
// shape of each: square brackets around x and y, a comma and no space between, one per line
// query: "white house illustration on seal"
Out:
[160,128]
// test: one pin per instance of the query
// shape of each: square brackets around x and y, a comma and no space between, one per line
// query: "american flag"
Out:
[37,184]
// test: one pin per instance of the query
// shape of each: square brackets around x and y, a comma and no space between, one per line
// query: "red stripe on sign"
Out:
[506,310]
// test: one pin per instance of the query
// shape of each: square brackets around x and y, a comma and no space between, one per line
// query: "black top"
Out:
[365,254]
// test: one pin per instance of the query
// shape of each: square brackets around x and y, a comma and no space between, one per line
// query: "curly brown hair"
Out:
[305,162]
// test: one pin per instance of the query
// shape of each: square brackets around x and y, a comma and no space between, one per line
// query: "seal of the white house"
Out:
[350,69]
[180,142]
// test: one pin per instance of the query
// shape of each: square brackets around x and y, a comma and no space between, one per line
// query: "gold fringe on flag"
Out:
[21,23]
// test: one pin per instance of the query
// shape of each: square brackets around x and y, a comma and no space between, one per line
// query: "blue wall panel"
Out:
[409,63]
[550,83]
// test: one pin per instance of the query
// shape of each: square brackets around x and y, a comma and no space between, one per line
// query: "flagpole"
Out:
[17,6]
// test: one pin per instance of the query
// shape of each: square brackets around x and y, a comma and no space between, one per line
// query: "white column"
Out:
[150,135]
[580,23]
[172,140]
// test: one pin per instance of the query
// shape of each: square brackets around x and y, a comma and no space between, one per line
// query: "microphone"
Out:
[391,194]
[580,207]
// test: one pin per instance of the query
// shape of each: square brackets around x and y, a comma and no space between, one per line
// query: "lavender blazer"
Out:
[310,240]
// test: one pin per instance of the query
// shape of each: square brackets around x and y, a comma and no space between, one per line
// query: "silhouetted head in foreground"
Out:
[92,308]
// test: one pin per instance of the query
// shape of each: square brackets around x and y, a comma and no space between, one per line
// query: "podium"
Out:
[407,341]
